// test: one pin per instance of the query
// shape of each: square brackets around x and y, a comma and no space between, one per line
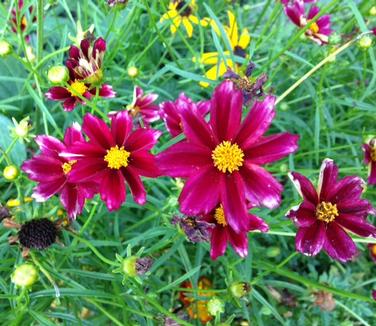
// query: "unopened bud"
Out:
[215,306]
[133,266]
[273,252]
[11,172]
[5,48]
[132,72]
[58,74]
[365,42]
[372,11]
[24,275]
[240,289]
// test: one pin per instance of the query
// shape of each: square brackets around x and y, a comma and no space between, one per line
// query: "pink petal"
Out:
[260,186]
[201,192]
[184,159]
[348,188]
[226,111]
[73,134]
[256,223]
[327,180]
[310,240]
[106,91]
[356,225]
[87,169]
[218,242]
[257,122]
[234,204]
[72,200]
[49,145]
[85,44]
[239,242]
[313,12]
[74,52]
[45,190]
[144,164]
[99,45]
[372,174]
[121,127]
[304,215]
[43,168]
[339,244]
[142,139]
[272,148]
[69,104]
[97,131]
[136,185]
[112,189]
[58,93]
[304,187]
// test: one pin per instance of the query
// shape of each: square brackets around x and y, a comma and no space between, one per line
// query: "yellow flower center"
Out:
[67,166]
[24,22]
[326,212]
[373,249]
[117,157]
[373,153]
[219,216]
[133,109]
[77,88]
[314,28]
[227,157]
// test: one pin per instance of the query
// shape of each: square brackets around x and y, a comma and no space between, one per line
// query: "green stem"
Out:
[40,7]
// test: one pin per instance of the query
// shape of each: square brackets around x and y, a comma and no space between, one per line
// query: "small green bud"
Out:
[284,106]
[24,275]
[215,306]
[132,72]
[240,289]
[365,42]
[11,172]
[5,48]
[372,11]
[129,266]
[58,74]
[273,252]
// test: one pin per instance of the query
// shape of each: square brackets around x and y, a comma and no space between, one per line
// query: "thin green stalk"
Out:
[40,20]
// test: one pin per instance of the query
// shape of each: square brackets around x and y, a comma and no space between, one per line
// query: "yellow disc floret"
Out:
[67,166]
[314,28]
[326,212]
[117,157]
[227,157]
[219,216]
[77,88]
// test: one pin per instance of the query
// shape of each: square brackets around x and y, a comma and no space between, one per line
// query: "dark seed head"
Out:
[38,234]
[4,213]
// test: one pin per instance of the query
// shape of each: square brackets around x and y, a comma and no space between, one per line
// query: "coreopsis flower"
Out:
[318,31]
[143,106]
[114,156]
[370,160]
[328,211]
[38,233]
[238,44]
[197,309]
[221,159]
[182,12]
[23,23]
[52,172]
[372,251]
[223,233]
[171,112]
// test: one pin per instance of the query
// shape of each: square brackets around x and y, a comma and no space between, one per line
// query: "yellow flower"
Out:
[238,48]
[180,12]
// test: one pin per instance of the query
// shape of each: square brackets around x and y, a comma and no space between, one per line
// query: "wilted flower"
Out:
[133,265]
[324,300]
[182,12]
[52,172]
[223,233]
[194,228]
[327,212]
[238,47]
[240,289]
[221,158]
[114,156]
[24,275]
[171,112]
[143,106]
[5,48]
[370,160]
[318,31]
[11,172]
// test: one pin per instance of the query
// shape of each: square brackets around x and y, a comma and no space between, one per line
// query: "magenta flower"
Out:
[75,92]
[113,156]
[24,22]
[370,160]
[327,212]
[223,233]
[52,172]
[318,31]
[143,105]
[221,159]
[171,112]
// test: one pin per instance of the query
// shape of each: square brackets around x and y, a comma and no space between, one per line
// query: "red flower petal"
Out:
[97,131]
[45,190]
[218,242]
[106,91]
[142,139]
[327,180]
[112,189]
[43,168]
[72,200]
[304,187]
[99,45]
[73,134]
[136,185]
[310,240]
[304,215]
[121,127]
[226,111]
[49,145]
[69,104]
[348,188]
[239,242]
[87,169]
[144,164]
[356,225]
[58,93]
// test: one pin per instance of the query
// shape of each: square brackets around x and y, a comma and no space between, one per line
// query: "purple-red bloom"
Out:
[52,172]
[144,106]
[221,159]
[370,160]
[326,213]
[318,31]
[223,233]
[171,112]
[114,156]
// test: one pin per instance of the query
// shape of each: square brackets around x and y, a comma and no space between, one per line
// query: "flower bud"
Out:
[365,42]
[372,11]
[273,252]
[10,172]
[21,129]
[58,74]
[132,71]
[133,266]
[5,48]
[215,306]
[24,275]
[240,289]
